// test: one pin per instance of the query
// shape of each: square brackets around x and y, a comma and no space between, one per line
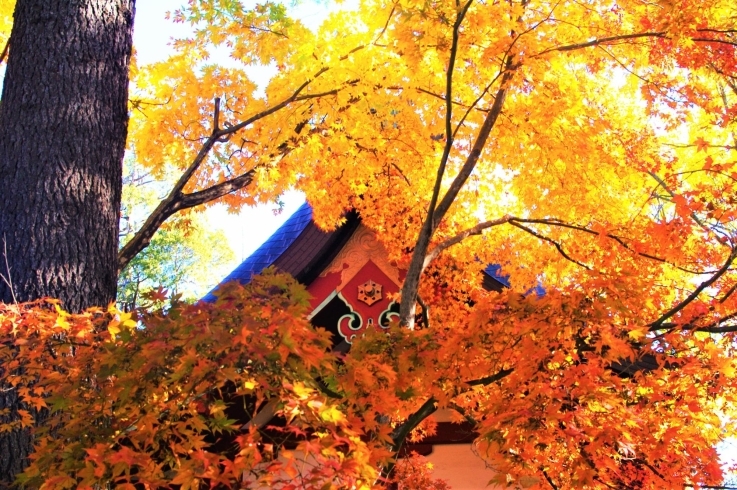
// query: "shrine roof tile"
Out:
[495,271]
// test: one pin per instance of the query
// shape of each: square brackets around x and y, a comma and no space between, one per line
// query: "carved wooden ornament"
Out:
[369,292]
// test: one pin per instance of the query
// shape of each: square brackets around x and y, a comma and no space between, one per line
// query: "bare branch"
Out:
[412,279]
[657,324]
[476,230]
[549,240]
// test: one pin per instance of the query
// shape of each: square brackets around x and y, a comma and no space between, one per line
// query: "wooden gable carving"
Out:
[347,271]
[361,278]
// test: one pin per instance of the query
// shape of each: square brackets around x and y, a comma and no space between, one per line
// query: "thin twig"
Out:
[672,194]
[696,292]
[5,51]
[386,25]
[549,240]
[8,280]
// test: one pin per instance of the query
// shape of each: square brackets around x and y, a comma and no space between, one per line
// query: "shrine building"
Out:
[351,281]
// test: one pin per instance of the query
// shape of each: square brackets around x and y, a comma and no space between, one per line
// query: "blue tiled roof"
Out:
[270,250]
[495,271]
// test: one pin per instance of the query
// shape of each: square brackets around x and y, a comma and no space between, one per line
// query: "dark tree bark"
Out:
[63,125]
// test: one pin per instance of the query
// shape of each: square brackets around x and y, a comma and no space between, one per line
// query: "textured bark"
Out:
[63,123]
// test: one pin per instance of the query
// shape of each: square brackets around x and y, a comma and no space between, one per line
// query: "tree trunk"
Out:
[63,125]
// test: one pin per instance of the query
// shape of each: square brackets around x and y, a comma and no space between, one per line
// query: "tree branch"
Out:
[618,239]
[459,104]
[402,431]
[672,194]
[712,327]
[177,200]
[491,379]
[549,240]
[657,324]
[549,480]
[478,146]
[211,193]
[425,312]
[386,24]
[414,271]
[476,230]
[625,37]
[599,41]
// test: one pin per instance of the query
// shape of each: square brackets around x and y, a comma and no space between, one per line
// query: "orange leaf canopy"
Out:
[589,146]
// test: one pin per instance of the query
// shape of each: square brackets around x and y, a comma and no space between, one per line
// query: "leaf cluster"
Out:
[168,398]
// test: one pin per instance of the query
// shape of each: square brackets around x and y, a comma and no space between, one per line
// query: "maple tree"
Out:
[589,146]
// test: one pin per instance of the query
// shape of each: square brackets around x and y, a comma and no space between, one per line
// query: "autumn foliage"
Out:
[140,402]
[169,398]
[588,147]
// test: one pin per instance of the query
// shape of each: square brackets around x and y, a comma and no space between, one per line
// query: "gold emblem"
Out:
[369,292]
